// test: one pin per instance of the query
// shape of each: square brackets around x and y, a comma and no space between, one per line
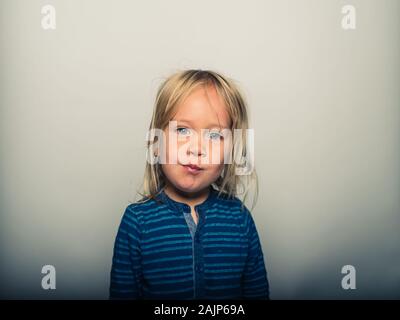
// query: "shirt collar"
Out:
[179,207]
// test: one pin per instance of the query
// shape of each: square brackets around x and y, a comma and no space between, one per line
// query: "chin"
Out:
[189,188]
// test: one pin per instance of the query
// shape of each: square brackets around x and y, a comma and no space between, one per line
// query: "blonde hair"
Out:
[174,90]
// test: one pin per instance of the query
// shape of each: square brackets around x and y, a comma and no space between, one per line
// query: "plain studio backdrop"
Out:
[75,104]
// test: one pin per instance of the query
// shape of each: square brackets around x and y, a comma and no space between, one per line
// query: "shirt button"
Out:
[199,268]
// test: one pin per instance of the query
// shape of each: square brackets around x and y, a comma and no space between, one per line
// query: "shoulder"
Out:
[137,209]
[234,207]
[231,202]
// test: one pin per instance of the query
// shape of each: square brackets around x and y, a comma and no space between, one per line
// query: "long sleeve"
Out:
[126,273]
[254,280]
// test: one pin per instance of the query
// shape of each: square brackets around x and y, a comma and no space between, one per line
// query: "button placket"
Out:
[198,258]
[197,247]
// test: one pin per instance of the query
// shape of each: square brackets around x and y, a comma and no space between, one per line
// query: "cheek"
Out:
[170,171]
[215,170]
[217,152]
[175,151]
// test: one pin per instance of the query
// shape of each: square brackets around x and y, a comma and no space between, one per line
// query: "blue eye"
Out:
[184,131]
[215,135]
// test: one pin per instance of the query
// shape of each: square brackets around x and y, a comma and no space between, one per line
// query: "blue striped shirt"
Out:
[160,254]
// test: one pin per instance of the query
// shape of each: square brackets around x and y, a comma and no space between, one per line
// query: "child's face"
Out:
[194,144]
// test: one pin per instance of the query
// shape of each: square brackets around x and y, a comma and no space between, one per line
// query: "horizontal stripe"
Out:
[155,255]
[165,243]
[165,249]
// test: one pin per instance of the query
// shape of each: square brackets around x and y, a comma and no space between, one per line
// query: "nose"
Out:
[196,146]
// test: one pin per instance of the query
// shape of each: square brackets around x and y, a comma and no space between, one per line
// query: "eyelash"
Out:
[178,129]
[219,135]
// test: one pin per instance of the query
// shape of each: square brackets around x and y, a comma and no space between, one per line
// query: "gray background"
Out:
[75,104]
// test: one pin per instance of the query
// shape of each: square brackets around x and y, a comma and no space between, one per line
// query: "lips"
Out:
[192,168]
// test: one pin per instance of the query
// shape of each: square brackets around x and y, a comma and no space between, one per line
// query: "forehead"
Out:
[203,108]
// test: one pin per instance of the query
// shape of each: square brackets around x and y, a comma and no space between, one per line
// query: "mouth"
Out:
[192,168]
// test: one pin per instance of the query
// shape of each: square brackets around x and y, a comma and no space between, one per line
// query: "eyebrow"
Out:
[190,122]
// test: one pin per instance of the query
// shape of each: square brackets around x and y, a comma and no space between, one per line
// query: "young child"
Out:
[190,237]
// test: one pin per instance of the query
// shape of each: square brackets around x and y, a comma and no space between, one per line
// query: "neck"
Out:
[190,198]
